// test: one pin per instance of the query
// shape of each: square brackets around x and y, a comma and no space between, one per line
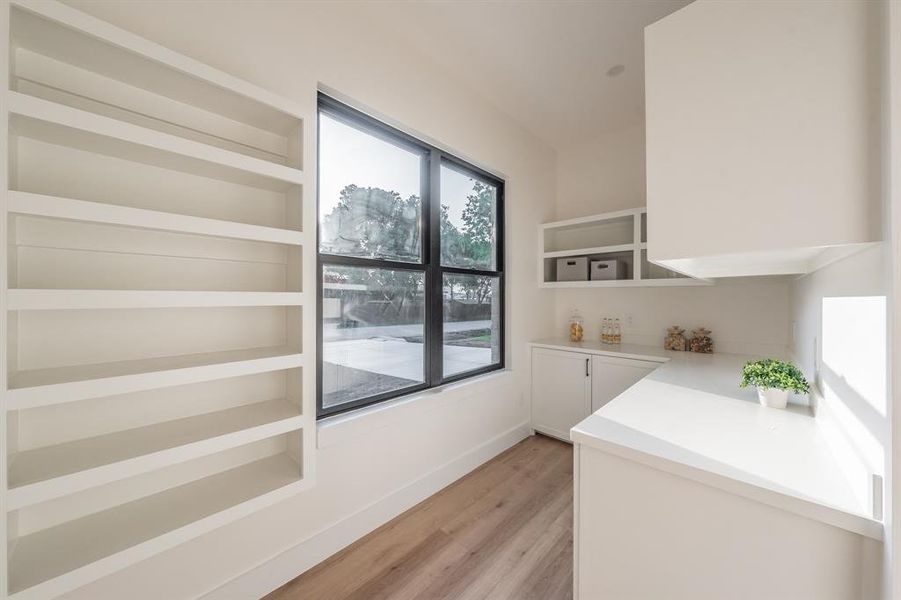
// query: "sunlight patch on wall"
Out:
[853,353]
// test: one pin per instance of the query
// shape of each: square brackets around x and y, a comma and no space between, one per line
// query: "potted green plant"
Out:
[774,379]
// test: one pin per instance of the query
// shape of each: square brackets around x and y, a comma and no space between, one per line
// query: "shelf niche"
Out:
[56,63]
[620,235]
[68,447]
[102,531]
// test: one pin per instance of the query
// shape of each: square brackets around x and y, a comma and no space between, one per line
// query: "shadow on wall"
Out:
[852,370]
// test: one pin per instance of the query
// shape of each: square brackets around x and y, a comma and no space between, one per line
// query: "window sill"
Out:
[339,429]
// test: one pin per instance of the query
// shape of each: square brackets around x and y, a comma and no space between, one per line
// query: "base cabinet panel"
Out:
[561,390]
[643,534]
[611,376]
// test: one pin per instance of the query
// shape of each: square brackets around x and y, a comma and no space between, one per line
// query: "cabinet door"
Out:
[561,390]
[611,376]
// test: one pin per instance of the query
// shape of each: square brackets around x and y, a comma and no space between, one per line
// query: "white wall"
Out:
[747,315]
[891,166]
[844,326]
[369,470]
[839,339]
[603,174]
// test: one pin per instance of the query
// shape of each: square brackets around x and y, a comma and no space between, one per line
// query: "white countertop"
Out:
[690,417]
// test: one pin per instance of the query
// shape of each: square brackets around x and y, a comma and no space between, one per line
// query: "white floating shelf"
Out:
[58,123]
[674,282]
[51,562]
[26,203]
[43,387]
[616,226]
[99,299]
[175,69]
[579,222]
[587,251]
[45,473]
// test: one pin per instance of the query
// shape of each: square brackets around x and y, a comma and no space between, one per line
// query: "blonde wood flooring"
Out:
[503,532]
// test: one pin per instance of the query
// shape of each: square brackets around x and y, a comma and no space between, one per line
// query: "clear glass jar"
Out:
[576,328]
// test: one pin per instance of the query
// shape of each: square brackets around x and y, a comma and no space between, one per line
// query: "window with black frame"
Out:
[410,264]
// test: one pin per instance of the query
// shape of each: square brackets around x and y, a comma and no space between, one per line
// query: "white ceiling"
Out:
[542,62]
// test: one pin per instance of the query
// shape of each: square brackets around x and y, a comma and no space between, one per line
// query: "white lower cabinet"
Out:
[611,376]
[646,534]
[561,390]
[568,386]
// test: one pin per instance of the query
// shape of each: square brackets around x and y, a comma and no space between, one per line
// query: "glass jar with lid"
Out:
[576,329]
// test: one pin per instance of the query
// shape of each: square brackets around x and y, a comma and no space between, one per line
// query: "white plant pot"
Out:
[772,397]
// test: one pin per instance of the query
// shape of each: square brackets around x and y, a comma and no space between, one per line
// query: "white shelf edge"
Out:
[674,282]
[585,251]
[96,28]
[41,491]
[60,584]
[56,207]
[73,118]
[599,218]
[71,391]
[54,299]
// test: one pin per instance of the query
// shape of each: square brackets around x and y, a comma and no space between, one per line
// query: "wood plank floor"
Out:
[502,532]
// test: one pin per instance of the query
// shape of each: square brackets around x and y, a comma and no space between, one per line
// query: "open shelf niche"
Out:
[158,300]
[620,235]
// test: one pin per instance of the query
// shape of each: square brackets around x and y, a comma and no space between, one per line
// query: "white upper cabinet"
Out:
[763,147]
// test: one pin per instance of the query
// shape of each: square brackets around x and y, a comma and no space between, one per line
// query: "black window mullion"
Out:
[469,271]
[499,241]
[434,293]
[375,263]
[425,192]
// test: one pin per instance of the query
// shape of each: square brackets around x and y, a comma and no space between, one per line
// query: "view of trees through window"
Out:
[374,223]
[374,269]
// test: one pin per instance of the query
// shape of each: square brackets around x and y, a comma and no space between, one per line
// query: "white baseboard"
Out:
[284,567]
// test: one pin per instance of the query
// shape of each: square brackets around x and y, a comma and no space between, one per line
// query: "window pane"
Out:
[468,221]
[472,318]
[369,195]
[372,332]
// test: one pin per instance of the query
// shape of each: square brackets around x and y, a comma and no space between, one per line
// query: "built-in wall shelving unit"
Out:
[157,299]
[620,235]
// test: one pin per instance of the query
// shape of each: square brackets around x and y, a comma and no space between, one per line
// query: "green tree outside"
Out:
[377,223]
